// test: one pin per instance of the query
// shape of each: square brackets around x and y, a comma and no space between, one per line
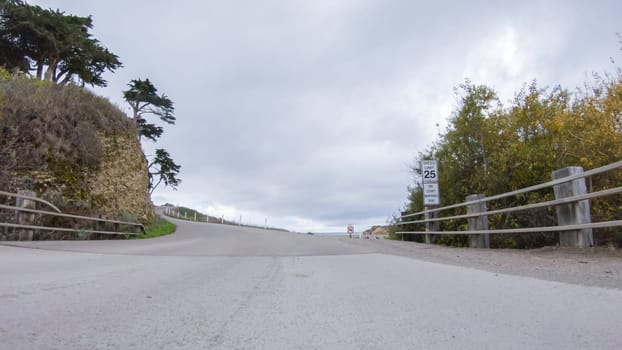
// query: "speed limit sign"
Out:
[429,178]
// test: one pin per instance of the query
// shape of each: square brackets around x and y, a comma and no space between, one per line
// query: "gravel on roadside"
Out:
[598,266]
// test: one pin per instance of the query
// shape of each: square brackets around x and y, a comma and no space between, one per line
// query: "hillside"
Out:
[73,149]
[185,213]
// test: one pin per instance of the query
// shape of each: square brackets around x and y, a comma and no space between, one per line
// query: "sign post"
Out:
[431,196]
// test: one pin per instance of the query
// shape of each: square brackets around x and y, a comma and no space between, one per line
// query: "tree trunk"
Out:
[39,70]
[49,73]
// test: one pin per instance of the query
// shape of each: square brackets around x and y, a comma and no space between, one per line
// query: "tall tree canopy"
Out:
[143,97]
[491,149]
[55,46]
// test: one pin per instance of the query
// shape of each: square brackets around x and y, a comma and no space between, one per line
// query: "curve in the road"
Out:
[203,239]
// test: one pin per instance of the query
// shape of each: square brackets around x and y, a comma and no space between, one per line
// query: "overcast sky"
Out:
[309,113]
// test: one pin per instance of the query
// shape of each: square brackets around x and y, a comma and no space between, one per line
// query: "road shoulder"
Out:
[598,267]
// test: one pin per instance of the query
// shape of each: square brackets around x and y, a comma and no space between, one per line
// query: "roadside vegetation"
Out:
[490,148]
[162,227]
[51,127]
[58,48]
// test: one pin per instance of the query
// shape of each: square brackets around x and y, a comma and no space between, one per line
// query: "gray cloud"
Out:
[309,112]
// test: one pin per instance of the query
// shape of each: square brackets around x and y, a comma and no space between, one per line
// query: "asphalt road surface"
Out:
[222,287]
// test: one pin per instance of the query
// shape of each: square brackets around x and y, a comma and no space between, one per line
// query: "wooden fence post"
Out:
[573,213]
[431,226]
[100,226]
[25,218]
[478,223]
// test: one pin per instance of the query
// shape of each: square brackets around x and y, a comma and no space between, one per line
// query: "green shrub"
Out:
[160,228]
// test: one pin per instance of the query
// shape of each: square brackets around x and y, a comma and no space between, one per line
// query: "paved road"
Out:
[222,287]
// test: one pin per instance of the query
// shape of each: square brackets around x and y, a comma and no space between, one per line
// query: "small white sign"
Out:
[431,200]
[429,171]
[430,190]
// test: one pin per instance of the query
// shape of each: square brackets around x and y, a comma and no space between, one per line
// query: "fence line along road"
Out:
[25,223]
[571,202]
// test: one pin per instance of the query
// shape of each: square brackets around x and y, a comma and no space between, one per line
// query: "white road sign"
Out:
[429,178]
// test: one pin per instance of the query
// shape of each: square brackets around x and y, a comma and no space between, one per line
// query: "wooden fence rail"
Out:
[572,204]
[26,212]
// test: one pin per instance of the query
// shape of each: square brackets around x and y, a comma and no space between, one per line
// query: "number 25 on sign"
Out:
[429,171]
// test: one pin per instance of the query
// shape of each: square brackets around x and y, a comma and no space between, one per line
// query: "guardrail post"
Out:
[100,225]
[478,223]
[24,218]
[3,230]
[430,226]
[573,213]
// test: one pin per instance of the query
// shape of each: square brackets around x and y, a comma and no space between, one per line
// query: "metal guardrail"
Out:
[57,213]
[567,200]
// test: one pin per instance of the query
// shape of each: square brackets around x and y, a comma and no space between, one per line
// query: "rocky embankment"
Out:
[73,149]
